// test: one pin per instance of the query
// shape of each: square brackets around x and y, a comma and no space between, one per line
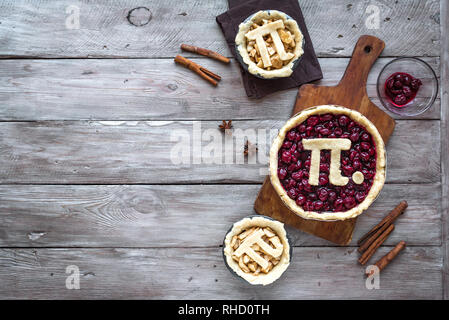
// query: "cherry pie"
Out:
[328,163]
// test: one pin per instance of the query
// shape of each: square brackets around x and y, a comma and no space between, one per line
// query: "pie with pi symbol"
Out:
[257,249]
[328,163]
[269,44]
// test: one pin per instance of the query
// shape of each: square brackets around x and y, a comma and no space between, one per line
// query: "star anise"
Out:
[249,148]
[226,126]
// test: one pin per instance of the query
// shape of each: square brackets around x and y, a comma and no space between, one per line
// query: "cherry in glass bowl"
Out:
[422,99]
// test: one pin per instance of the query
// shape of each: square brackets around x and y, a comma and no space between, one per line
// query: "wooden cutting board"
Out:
[350,93]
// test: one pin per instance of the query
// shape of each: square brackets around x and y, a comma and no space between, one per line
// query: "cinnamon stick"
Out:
[375,245]
[205,52]
[203,72]
[371,235]
[386,259]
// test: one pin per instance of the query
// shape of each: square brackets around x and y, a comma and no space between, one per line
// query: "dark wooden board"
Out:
[350,93]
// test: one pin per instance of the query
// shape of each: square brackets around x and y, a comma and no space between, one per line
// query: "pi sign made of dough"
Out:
[256,238]
[335,146]
[269,28]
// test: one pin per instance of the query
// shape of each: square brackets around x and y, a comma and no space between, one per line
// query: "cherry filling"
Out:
[401,88]
[294,164]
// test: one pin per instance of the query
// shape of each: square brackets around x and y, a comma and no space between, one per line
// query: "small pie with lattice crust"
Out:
[257,250]
[328,163]
[270,43]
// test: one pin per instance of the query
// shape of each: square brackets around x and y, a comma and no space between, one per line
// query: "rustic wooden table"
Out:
[87,112]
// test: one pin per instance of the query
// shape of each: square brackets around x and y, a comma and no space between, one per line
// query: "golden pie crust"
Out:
[279,19]
[279,249]
[379,178]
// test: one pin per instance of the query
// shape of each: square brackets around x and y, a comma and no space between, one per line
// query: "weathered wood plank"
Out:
[129,152]
[142,89]
[315,273]
[178,216]
[445,143]
[38,29]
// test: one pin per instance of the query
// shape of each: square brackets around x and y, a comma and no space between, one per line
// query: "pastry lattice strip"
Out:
[256,238]
[269,28]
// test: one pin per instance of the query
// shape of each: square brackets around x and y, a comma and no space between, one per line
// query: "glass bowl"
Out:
[426,94]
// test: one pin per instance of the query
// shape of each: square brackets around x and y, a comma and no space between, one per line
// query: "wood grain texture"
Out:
[150,89]
[132,232]
[445,144]
[38,28]
[199,273]
[179,216]
[128,152]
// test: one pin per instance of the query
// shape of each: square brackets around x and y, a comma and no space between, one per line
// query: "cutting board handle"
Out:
[365,53]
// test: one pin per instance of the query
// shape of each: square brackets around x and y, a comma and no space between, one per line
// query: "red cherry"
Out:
[365,145]
[349,202]
[309,205]
[354,136]
[406,80]
[398,84]
[326,117]
[323,179]
[292,167]
[312,196]
[343,121]
[365,137]
[307,163]
[307,187]
[323,194]
[360,196]
[353,155]
[338,205]
[282,173]
[297,175]
[286,156]
[348,170]
[365,156]
[351,125]
[287,144]
[332,196]
[415,84]
[350,192]
[400,99]
[407,91]
[291,135]
[318,205]
[325,132]
[292,193]
[309,131]
[300,200]
[313,121]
